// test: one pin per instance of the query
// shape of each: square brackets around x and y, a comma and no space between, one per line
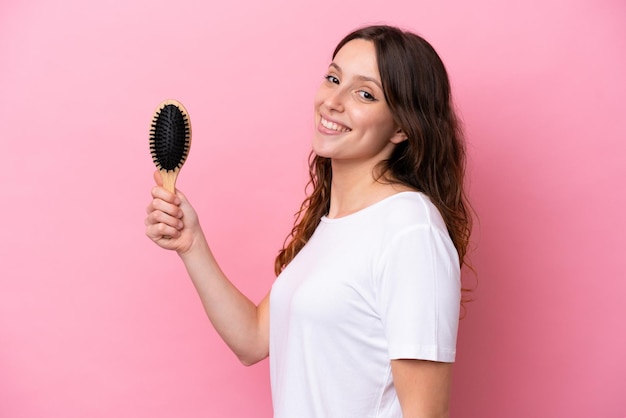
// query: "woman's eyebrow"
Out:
[359,77]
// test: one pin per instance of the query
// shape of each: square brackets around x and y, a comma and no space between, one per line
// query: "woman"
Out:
[364,312]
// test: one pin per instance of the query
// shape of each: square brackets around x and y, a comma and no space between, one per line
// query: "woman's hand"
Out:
[171,222]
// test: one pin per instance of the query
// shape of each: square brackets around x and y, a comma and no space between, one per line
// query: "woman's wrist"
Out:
[197,248]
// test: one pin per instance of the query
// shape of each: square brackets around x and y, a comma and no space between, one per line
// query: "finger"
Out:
[159,192]
[159,205]
[160,217]
[158,221]
[161,231]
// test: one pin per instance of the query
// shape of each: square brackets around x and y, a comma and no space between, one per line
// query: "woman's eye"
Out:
[367,96]
[332,79]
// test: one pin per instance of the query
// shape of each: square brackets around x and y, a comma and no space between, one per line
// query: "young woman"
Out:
[362,319]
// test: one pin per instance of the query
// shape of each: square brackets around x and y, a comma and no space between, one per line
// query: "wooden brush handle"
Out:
[169,179]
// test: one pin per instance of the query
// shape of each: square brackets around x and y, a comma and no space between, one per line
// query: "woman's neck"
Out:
[355,188]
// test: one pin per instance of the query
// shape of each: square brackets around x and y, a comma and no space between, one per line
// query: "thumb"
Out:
[157,178]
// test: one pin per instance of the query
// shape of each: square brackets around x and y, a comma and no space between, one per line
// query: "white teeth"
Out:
[333,126]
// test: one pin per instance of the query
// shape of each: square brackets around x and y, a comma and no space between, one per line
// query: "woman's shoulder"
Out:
[411,208]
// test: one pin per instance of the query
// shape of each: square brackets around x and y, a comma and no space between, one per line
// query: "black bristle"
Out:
[169,138]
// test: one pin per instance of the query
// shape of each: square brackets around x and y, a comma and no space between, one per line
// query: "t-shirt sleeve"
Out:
[419,291]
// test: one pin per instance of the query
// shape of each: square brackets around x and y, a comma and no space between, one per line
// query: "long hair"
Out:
[431,160]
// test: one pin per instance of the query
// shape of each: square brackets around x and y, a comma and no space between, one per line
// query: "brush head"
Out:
[170,136]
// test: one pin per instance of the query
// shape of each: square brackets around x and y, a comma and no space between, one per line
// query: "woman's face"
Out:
[353,122]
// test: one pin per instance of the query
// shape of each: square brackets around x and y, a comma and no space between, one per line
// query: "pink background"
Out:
[95,321]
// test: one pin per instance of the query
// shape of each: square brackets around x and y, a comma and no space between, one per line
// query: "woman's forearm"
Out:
[241,324]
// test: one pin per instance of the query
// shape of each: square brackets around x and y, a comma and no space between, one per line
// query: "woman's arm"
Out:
[173,224]
[242,325]
[423,387]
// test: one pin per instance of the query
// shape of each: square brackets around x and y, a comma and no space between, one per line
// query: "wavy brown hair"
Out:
[432,159]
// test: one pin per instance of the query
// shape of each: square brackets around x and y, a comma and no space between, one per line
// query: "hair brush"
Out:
[170,139]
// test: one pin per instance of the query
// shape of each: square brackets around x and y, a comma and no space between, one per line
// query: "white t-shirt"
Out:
[380,284]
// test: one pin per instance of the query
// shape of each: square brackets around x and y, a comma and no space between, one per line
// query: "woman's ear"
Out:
[399,136]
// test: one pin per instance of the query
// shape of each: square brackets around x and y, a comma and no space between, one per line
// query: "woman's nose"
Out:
[335,100]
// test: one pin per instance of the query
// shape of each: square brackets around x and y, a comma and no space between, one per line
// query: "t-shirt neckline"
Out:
[374,205]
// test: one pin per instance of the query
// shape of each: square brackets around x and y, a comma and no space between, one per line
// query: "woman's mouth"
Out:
[333,126]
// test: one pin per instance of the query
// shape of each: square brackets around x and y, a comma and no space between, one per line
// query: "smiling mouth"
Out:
[333,126]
